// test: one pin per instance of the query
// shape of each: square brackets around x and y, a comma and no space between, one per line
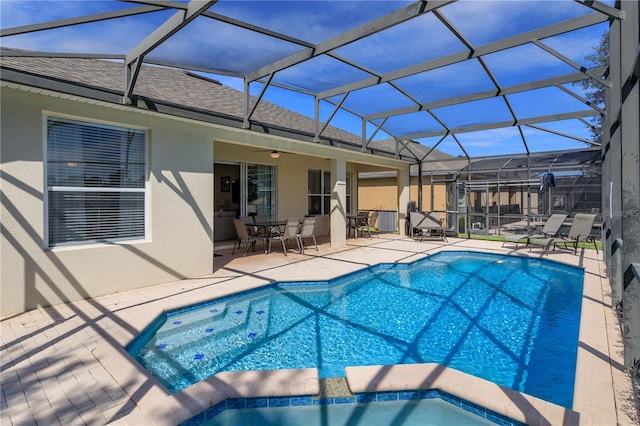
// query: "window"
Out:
[96,182]
[319,182]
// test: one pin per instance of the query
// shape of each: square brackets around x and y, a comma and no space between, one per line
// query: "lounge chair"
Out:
[549,230]
[246,233]
[307,231]
[424,224]
[290,232]
[370,225]
[580,231]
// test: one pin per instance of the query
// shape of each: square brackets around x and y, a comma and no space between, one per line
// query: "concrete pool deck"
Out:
[66,365]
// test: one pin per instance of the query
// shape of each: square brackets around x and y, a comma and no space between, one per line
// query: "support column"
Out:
[629,129]
[611,167]
[338,203]
[404,176]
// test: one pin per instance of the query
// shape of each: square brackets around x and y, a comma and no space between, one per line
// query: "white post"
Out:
[404,177]
[338,203]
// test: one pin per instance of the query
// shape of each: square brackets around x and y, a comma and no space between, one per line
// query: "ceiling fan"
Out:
[273,153]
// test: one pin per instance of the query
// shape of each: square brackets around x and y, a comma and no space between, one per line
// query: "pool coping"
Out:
[163,408]
[507,402]
[409,399]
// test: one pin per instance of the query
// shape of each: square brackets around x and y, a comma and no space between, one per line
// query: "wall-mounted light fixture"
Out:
[275,154]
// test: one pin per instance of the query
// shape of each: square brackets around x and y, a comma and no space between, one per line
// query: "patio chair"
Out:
[259,218]
[290,233]
[580,231]
[549,230]
[370,225]
[258,229]
[247,220]
[246,233]
[424,224]
[307,231]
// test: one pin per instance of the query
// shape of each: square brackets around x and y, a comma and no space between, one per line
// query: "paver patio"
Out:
[66,365]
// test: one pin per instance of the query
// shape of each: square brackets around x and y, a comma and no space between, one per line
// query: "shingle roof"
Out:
[434,160]
[182,90]
[538,162]
[168,85]
[185,90]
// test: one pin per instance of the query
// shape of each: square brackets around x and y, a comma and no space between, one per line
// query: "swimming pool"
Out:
[508,319]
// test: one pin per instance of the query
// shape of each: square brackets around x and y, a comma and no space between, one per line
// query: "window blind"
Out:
[96,182]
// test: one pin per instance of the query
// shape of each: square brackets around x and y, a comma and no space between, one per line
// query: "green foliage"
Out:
[595,92]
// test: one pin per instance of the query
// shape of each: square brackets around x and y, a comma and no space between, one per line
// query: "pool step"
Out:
[233,316]
[192,318]
[230,341]
[243,323]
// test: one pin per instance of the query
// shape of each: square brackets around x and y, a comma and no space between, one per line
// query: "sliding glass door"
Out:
[260,190]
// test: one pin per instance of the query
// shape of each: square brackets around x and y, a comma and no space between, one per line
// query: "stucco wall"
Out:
[439,194]
[181,209]
[378,194]
[182,200]
[382,193]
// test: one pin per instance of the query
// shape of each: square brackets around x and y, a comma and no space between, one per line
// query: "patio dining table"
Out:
[267,228]
[354,221]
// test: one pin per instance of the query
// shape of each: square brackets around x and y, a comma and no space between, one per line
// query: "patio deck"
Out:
[65,364]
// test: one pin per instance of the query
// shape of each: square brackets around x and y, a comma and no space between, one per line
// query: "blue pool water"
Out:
[407,413]
[406,408]
[511,320]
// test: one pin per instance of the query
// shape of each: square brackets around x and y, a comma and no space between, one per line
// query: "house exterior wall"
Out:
[438,194]
[181,181]
[181,209]
[382,193]
[377,194]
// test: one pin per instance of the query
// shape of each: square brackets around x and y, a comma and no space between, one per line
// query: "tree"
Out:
[595,91]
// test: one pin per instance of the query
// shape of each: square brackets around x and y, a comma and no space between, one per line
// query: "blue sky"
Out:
[210,44]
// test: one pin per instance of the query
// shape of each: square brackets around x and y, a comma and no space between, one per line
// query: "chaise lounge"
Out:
[580,231]
[549,230]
